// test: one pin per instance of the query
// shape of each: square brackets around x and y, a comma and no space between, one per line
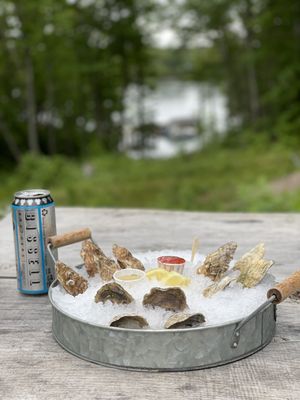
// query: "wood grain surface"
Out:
[65,239]
[33,366]
[286,288]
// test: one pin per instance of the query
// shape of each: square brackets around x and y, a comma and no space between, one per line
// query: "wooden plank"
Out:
[33,366]
[154,229]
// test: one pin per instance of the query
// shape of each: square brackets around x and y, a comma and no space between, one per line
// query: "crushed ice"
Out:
[233,303]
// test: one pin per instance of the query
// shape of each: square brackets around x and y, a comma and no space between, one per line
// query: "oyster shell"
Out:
[107,267]
[71,281]
[219,285]
[184,320]
[90,254]
[129,321]
[256,253]
[252,266]
[114,293]
[217,263]
[255,273]
[170,299]
[126,259]
[96,261]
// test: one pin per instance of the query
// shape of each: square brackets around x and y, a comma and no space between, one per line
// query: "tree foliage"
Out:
[64,70]
[65,66]
[259,46]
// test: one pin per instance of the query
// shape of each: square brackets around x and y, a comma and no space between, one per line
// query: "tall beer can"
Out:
[33,215]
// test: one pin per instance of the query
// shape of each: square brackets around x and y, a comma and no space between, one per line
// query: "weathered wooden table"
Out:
[33,366]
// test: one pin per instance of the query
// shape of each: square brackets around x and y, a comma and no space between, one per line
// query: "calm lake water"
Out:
[176,102]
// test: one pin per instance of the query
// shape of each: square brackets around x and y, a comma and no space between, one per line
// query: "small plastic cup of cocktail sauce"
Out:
[171,263]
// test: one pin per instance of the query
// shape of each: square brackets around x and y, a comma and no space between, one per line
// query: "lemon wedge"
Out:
[172,278]
[157,273]
[175,279]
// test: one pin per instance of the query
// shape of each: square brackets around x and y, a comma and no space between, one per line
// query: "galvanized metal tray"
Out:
[162,350]
[168,349]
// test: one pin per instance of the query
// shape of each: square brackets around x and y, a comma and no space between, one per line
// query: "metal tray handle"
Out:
[69,238]
[284,289]
[275,295]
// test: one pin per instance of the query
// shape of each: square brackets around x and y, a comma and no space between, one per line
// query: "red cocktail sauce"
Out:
[171,260]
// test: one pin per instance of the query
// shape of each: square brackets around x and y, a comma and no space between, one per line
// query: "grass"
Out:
[216,179]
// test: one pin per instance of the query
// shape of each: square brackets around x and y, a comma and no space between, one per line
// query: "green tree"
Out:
[258,42]
[64,77]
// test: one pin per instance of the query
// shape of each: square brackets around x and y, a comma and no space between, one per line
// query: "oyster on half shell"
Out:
[70,280]
[184,320]
[217,263]
[114,293]
[129,321]
[219,285]
[126,259]
[172,299]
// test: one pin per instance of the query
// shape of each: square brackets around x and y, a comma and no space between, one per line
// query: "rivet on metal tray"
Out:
[236,333]
[236,339]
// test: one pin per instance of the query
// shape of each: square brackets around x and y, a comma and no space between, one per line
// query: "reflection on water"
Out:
[178,112]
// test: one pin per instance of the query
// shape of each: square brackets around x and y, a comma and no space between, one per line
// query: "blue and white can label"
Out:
[33,215]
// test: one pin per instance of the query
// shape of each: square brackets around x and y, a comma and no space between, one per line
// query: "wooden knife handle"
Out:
[284,289]
[70,237]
